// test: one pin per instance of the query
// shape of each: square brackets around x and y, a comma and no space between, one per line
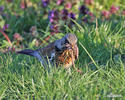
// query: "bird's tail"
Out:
[27,52]
[30,52]
[34,53]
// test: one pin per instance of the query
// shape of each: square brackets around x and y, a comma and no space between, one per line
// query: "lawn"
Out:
[101,42]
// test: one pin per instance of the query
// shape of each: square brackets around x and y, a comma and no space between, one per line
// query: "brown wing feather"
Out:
[47,51]
[64,58]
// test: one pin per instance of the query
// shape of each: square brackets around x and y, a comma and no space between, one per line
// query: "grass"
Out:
[101,55]
[101,47]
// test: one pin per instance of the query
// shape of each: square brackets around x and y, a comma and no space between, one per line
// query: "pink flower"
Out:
[23,4]
[51,20]
[59,2]
[106,14]
[18,37]
[114,9]
[45,3]
[90,14]
[10,49]
[9,1]
[88,2]
[68,5]
[123,13]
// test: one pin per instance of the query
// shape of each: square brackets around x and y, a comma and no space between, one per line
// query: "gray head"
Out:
[66,41]
[70,39]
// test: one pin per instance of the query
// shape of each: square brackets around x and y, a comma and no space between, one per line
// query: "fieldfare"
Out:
[62,52]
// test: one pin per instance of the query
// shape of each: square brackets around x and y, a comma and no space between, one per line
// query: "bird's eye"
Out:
[66,41]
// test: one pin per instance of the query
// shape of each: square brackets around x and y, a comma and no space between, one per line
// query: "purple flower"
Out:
[1,8]
[54,19]
[85,19]
[10,49]
[71,15]
[84,10]
[45,2]
[54,29]
[51,27]
[5,27]
[64,14]
[54,16]
[51,14]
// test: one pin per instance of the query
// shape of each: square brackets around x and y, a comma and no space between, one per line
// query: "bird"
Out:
[61,52]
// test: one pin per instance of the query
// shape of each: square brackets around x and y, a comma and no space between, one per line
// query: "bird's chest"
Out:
[64,58]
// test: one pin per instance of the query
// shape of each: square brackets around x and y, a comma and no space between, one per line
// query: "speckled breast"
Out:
[64,58]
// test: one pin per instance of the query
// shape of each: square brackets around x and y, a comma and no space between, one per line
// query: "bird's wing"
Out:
[48,50]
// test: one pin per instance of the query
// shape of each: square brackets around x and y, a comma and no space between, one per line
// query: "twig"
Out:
[7,38]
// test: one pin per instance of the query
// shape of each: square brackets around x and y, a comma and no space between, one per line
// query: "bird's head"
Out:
[67,42]
[70,39]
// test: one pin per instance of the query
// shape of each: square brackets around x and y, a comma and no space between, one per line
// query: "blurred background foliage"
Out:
[34,22]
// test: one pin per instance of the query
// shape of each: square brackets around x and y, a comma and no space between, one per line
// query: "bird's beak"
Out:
[72,46]
[69,46]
